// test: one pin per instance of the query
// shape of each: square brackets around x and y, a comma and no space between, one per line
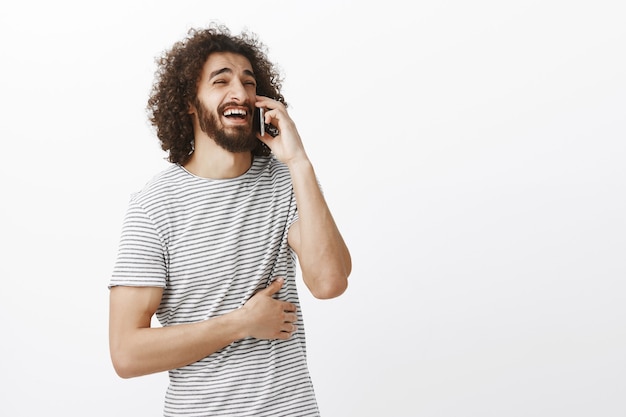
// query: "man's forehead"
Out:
[227,60]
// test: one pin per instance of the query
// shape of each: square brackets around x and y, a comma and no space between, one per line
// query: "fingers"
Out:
[276,118]
[268,103]
[287,332]
[275,111]
[288,328]
[289,325]
[288,318]
[274,287]
[268,317]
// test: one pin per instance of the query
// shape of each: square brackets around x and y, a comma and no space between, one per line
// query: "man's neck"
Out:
[212,161]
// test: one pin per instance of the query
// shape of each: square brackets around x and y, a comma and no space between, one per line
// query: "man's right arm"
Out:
[138,349]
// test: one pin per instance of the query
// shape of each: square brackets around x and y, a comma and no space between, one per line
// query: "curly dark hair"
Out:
[176,84]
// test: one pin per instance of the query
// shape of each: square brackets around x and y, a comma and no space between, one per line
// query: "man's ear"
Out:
[192,109]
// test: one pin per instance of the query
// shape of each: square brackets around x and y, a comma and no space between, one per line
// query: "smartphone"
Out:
[271,130]
[262,120]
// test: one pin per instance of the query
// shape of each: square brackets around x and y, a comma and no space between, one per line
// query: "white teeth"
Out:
[230,112]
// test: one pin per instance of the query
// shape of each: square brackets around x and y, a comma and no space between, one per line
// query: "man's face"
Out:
[225,102]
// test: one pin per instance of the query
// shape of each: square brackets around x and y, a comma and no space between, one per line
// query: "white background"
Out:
[474,156]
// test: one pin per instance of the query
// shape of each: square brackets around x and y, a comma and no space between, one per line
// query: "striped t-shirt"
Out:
[211,244]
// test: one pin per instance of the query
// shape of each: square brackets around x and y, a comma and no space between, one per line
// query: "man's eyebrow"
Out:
[220,71]
[230,71]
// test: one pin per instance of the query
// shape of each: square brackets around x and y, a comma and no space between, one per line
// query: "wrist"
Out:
[299,164]
[237,321]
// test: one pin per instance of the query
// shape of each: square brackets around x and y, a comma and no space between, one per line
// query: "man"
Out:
[210,244]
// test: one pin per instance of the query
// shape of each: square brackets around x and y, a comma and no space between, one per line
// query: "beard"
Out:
[236,139]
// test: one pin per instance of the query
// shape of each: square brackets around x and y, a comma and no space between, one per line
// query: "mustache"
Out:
[245,104]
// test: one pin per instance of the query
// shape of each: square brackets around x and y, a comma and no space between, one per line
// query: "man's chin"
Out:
[237,131]
[238,141]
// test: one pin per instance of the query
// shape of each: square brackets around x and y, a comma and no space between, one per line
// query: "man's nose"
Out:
[238,91]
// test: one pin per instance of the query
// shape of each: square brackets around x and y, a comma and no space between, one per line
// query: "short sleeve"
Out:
[141,258]
[293,208]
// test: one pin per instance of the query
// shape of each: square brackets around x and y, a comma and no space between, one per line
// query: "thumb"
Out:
[274,286]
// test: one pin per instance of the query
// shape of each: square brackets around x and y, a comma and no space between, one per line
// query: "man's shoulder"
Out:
[272,165]
[160,183]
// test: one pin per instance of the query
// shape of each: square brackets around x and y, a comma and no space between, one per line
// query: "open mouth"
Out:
[235,114]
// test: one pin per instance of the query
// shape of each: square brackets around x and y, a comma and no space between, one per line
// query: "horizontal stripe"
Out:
[211,245]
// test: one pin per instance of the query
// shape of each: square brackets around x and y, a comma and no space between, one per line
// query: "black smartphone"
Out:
[262,121]
[263,127]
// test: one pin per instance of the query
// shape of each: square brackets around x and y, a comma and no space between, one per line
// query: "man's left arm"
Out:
[322,253]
